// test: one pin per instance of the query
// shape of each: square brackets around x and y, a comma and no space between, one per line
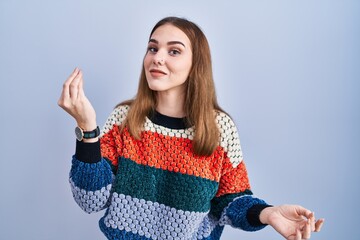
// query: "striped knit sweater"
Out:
[157,188]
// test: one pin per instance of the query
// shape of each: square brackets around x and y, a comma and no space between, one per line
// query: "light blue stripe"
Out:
[156,221]
[91,201]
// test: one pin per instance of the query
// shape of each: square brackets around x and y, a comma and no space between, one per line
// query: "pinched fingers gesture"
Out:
[74,101]
[293,222]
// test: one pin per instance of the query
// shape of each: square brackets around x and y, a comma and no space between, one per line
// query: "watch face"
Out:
[79,134]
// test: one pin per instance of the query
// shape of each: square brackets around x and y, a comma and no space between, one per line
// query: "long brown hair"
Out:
[200,100]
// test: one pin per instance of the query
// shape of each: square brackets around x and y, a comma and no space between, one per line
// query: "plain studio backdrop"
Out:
[286,71]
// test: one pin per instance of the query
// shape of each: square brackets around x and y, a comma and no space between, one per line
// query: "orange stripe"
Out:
[175,155]
[109,145]
[164,152]
[234,181]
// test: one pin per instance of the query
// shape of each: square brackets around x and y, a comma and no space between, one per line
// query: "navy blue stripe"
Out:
[216,233]
[219,203]
[237,212]
[90,176]
[116,234]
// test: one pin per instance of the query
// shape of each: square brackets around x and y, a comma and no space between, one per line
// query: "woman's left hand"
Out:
[293,222]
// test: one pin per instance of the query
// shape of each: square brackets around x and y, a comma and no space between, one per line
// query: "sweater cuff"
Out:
[253,214]
[237,212]
[88,152]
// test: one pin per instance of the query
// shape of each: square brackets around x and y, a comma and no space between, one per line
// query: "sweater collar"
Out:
[167,121]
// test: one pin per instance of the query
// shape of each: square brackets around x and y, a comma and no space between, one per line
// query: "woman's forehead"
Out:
[169,33]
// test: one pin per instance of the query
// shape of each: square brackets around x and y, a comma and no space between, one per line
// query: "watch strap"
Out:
[92,134]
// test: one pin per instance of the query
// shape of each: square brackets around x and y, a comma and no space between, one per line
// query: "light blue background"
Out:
[287,72]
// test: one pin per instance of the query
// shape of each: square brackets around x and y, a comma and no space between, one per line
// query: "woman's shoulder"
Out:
[119,113]
[224,121]
[227,128]
[229,137]
[117,117]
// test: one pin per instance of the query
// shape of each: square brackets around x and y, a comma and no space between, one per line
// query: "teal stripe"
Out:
[183,192]
[219,203]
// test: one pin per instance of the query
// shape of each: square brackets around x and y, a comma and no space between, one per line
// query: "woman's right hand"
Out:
[74,101]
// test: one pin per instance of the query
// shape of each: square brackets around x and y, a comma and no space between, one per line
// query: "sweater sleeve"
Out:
[94,166]
[90,184]
[234,203]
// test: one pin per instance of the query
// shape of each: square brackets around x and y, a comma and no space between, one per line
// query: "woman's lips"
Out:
[157,73]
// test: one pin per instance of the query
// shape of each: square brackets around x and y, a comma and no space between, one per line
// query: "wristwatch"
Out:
[81,134]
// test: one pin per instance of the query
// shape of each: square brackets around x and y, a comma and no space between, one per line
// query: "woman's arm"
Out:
[90,175]
[234,203]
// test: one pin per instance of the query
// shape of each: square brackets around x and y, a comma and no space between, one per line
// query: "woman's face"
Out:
[168,60]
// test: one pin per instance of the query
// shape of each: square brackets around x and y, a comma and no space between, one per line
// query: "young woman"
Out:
[168,163]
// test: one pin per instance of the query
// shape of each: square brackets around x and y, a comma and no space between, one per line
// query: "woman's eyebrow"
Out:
[168,43]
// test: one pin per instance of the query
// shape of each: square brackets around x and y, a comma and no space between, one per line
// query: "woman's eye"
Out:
[174,52]
[152,49]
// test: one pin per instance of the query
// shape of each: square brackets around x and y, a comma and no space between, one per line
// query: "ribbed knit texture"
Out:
[157,188]
[89,152]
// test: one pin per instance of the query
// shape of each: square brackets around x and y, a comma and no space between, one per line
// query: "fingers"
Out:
[68,81]
[65,95]
[74,85]
[309,227]
[72,75]
[303,233]
[319,223]
[315,224]
[72,89]
[303,211]
[307,230]
[312,221]
[81,87]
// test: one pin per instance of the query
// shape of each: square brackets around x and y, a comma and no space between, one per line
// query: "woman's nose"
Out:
[159,59]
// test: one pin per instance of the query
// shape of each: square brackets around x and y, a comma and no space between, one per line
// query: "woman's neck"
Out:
[171,105]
